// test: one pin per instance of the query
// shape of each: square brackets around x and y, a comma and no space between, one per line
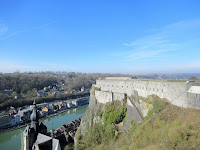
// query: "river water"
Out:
[12,140]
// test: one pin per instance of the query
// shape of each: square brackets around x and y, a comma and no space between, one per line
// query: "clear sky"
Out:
[106,36]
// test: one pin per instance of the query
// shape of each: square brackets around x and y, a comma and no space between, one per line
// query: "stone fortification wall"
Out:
[193,100]
[118,96]
[118,78]
[194,96]
[105,96]
[176,92]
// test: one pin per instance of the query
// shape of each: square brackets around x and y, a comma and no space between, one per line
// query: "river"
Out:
[12,140]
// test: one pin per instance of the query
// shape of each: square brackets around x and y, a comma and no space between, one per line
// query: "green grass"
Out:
[146,100]
[114,113]
[168,130]
[124,120]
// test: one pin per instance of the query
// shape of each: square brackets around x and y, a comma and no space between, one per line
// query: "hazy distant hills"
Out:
[169,76]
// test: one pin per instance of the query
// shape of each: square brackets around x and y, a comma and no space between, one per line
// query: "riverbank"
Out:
[12,139]
[24,125]
[29,101]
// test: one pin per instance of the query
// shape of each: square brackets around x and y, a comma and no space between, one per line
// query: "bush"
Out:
[157,107]
[114,113]
[102,133]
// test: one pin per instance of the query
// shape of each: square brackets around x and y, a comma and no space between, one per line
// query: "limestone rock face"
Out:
[137,109]
[144,107]
[90,117]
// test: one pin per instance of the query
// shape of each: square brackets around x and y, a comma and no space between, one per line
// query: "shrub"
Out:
[102,133]
[124,120]
[114,113]
[157,107]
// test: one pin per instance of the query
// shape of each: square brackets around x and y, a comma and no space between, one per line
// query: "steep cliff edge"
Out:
[91,113]
[139,123]
[104,121]
[95,113]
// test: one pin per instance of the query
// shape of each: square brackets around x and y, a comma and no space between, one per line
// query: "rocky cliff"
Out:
[137,123]
[114,116]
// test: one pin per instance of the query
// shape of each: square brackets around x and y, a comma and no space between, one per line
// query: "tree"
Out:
[13,94]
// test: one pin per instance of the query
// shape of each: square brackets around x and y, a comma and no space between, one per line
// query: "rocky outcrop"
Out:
[92,113]
[137,108]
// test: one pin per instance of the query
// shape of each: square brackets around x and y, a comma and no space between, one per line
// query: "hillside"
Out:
[165,127]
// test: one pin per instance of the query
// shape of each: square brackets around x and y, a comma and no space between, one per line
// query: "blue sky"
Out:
[106,36]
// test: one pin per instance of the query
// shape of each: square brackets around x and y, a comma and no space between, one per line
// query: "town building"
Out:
[41,94]
[44,142]
[5,121]
[75,103]
[25,114]
[69,105]
[35,136]
[17,96]
[15,120]
[83,89]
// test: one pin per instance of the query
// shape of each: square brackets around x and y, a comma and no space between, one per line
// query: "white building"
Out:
[75,102]
[83,89]
[69,105]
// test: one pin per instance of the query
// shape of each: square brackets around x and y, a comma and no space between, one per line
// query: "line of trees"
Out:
[26,84]
[21,83]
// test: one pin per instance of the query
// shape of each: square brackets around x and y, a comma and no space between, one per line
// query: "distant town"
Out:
[50,91]
[20,116]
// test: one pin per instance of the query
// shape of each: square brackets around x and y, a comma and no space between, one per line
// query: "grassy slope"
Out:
[170,128]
